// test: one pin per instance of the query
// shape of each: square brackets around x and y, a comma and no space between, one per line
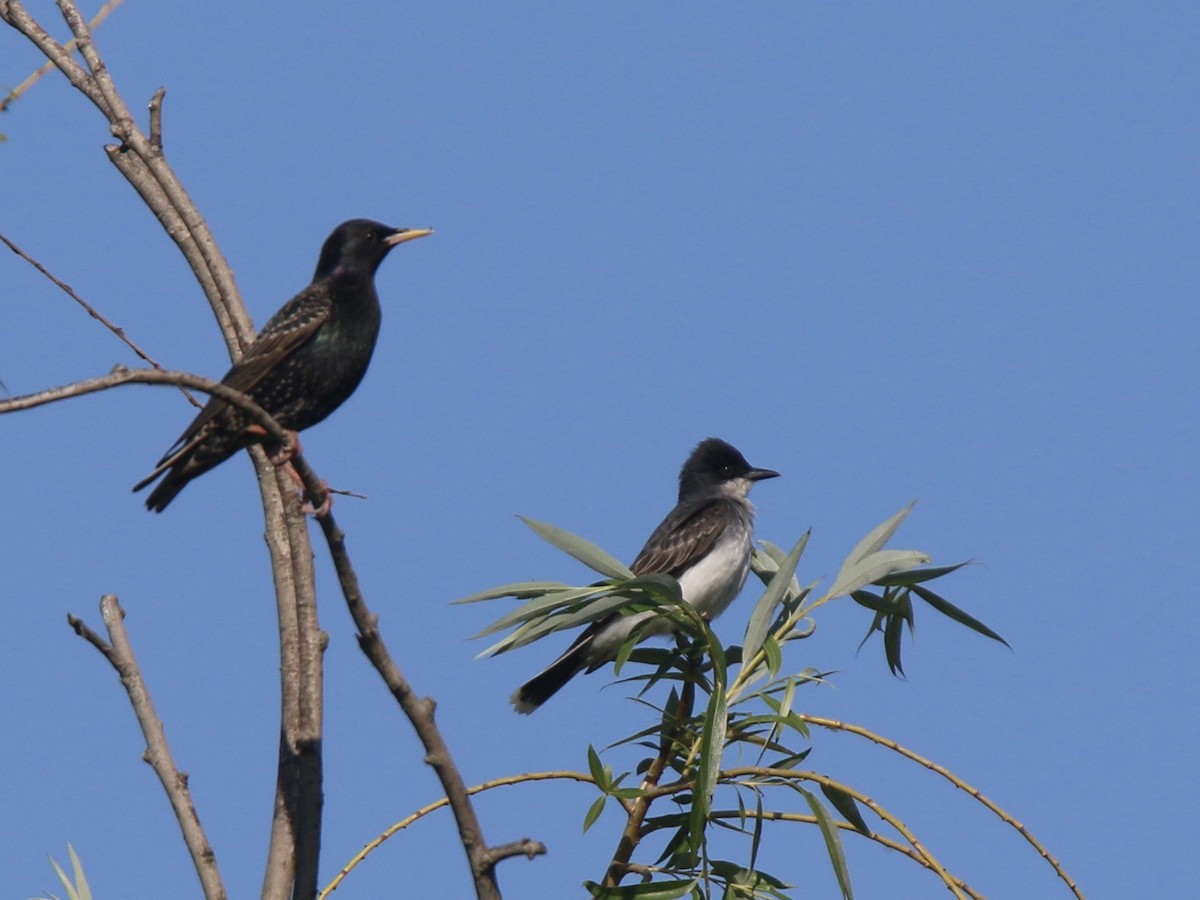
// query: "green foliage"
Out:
[77,889]
[725,703]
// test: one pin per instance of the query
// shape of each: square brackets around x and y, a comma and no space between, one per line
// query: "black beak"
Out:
[761,474]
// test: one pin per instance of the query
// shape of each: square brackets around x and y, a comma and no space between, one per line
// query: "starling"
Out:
[304,364]
[704,543]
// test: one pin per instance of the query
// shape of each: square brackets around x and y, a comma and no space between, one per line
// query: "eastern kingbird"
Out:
[704,543]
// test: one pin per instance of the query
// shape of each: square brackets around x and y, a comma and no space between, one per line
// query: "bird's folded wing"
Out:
[684,537]
[285,332]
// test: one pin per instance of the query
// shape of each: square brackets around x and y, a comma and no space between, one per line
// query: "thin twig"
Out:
[419,710]
[524,847]
[808,819]
[759,775]
[91,310]
[156,104]
[120,376]
[146,170]
[15,94]
[835,725]
[120,655]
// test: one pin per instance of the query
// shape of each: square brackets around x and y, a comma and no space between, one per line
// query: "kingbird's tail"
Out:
[541,687]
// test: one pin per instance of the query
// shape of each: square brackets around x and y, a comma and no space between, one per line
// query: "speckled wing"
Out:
[684,536]
[286,331]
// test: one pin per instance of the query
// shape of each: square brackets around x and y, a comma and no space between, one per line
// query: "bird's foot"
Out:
[319,512]
[281,453]
[308,509]
[288,450]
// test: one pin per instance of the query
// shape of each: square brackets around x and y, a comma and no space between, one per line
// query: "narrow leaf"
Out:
[846,805]
[880,534]
[876,538]
[712,746]
[833,843]
[521,590]
[541,606]
[650,890]
[583,550]
[596,768]
[874,566]
[764,610]
[594,811]
[893,632]
[917,576]
[946,608]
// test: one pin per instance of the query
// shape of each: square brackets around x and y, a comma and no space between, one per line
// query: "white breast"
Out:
[712,583]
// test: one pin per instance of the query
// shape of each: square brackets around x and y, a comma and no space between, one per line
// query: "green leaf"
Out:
[846,805]
[773,551]
[847,579]
[596,769]
[764,611]
[650,890]
[542,606]
[79,890]
[788,717]
[869,599]
[833,842]
[583,550]
[946,608]
[879,535]
[893,632]
[708,767]
[548,623]
[521,590]
[874,566]
[594,811]
[916,576]
[773,654]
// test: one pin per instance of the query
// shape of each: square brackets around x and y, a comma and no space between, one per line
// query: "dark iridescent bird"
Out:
[304,364]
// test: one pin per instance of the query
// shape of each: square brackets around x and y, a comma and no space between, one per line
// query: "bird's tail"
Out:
[166,490]
[541,687]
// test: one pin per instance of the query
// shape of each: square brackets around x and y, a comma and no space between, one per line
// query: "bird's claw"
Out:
[287,451]
[319,512]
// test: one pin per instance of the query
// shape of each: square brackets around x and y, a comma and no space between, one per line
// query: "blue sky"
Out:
[940,251]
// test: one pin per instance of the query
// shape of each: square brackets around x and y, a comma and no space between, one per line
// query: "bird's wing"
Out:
[286,331]
[684,536]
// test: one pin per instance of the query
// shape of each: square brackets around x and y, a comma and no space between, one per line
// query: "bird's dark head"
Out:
[717,466]
[360,245]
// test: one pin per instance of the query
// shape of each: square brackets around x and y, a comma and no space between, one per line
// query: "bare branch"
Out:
[121,376]
[14,13]
[155,107]
[158,754]
[534,848]
[91,310]
[420,711]
[142,163]
[15,94]
[144,167]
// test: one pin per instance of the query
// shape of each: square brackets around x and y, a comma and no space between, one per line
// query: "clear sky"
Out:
[942,251]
